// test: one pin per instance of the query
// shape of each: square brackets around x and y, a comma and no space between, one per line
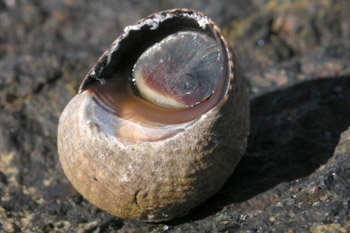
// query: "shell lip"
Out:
[117,61]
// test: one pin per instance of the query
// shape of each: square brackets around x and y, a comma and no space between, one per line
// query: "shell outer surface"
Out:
[161,179]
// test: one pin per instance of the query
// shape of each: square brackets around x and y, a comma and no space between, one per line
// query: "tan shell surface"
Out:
[152,181]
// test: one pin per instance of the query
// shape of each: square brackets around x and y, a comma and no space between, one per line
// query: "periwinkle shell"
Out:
[143,160]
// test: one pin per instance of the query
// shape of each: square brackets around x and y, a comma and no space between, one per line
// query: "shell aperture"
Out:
[171,84]
[159,81]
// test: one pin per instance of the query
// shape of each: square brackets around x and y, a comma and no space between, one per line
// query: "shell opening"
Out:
[161,79]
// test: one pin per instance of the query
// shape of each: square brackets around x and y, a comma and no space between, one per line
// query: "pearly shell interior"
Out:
[168,78]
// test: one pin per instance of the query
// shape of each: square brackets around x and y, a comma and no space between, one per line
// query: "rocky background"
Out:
[295,176]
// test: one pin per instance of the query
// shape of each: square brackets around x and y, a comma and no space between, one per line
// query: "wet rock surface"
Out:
[295,176]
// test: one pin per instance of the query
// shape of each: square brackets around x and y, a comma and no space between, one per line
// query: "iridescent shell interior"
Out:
[162,74]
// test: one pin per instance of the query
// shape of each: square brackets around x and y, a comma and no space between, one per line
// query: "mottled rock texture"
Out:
[295,176]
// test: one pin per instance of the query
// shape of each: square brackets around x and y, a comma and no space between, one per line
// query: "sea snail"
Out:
[159,122]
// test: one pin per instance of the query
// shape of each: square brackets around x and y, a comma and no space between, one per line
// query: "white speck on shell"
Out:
[202,21]
[153,23]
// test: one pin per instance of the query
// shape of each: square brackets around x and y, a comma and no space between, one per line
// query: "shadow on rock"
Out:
[294,131]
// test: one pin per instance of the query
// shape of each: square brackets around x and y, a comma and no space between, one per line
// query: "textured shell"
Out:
[160,180]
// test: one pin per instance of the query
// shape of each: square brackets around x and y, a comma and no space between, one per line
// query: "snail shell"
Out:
[160,121]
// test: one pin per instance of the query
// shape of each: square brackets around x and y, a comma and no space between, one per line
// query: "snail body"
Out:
[160,121]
